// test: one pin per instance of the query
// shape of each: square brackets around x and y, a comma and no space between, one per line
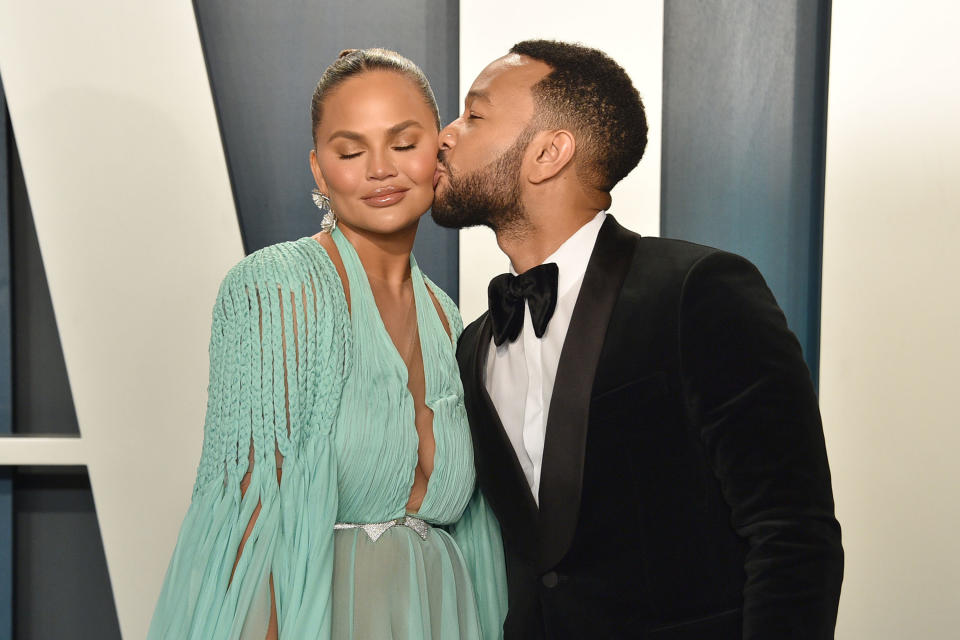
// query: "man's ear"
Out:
[554,151]
[317,175]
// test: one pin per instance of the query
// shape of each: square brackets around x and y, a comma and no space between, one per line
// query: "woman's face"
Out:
[376,152]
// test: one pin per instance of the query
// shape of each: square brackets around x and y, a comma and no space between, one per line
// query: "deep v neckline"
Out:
[344,246]
[359,284]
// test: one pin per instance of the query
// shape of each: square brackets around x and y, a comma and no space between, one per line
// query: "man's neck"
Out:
[542,237]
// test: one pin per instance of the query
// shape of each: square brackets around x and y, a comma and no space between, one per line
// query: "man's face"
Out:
[481,152]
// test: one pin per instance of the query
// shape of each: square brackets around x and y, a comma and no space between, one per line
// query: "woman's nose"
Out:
[380,167]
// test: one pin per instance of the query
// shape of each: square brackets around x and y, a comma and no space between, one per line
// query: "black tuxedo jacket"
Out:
[685,491]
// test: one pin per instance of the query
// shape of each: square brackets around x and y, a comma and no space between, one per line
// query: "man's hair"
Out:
[592,96]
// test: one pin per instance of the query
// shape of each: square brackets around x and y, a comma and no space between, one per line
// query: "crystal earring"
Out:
[329,221]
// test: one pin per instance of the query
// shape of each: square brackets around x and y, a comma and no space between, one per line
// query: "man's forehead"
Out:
[512,72]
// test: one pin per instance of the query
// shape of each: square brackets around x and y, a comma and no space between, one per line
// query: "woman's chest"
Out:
[380,434]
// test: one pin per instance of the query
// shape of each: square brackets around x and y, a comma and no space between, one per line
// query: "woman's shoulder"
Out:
[300,270]
[287,264]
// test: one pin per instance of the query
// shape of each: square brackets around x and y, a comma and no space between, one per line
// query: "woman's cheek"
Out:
[343,178]
[424,166]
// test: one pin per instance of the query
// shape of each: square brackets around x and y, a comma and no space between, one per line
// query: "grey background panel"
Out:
[264,60]
[6,381]
[62,586]
[42,402]
[743,140]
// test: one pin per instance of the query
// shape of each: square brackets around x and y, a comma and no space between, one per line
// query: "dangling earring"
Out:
[329,221]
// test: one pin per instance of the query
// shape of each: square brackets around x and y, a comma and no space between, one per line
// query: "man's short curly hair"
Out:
[592,96]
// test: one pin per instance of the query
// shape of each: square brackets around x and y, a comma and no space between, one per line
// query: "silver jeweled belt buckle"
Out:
[376,529]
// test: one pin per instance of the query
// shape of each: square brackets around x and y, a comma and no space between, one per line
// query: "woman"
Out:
[336,447]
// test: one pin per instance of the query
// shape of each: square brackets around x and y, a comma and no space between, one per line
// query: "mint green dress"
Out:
[298,380]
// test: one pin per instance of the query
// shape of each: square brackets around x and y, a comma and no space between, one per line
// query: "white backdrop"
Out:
[632,34]
[121,153]
[890,352]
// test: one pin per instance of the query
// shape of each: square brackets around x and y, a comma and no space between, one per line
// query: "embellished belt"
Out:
[376,529]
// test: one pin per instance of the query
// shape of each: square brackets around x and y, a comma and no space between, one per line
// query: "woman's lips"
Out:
[385,197]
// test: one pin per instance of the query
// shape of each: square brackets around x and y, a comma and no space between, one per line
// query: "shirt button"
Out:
[550,579]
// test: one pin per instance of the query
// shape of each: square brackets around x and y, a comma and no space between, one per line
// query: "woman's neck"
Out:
[385,257]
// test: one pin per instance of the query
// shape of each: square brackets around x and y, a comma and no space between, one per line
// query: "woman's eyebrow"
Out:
[392,131]
[349,135]
[397,128]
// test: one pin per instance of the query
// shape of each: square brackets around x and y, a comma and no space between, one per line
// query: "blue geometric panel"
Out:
[264,60]
[744,141]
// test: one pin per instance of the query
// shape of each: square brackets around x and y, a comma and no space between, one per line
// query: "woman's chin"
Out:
[385,224]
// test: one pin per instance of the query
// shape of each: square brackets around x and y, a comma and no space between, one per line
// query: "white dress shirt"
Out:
[519,375]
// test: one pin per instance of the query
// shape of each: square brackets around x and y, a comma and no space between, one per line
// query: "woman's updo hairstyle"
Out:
[353,62]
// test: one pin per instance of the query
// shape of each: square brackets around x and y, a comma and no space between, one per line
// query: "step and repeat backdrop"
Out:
[146,147]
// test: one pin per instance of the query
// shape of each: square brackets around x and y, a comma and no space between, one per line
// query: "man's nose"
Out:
[448,136]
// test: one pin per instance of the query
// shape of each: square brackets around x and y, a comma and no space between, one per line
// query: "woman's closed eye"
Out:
[357,154]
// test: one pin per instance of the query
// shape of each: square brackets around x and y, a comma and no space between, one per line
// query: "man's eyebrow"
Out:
[477,94]
[392,131]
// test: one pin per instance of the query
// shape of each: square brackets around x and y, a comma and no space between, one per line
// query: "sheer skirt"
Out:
[400,587]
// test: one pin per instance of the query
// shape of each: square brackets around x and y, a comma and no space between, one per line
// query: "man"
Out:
[645,428]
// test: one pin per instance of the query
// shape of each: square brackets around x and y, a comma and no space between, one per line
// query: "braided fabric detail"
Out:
[279,353]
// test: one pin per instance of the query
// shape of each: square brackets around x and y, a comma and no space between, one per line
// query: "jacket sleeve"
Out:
[265,499]
[478,536]
[749,392]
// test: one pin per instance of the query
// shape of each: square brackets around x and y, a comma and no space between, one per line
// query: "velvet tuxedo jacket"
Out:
[685,491]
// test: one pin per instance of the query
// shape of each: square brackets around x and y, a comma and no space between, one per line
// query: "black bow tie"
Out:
[506,295]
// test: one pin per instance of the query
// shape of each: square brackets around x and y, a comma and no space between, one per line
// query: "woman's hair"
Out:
[353,62]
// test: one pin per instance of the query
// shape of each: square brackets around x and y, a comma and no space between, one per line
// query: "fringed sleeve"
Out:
[265,498]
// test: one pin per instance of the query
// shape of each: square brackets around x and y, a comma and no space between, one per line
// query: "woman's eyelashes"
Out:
[356,154]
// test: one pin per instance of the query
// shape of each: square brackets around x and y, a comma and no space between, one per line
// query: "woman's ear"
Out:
[317,175]
[553,152]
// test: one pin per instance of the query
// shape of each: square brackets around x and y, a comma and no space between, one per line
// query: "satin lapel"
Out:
[561,475]
[501,477]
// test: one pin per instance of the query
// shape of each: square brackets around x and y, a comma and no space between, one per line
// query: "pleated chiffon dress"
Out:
[298,379]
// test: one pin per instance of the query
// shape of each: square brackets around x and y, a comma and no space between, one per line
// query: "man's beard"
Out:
[487,197]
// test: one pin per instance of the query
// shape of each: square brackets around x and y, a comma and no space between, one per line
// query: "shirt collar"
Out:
[573,255]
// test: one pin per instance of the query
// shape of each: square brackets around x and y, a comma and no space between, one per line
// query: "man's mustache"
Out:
[442,159]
